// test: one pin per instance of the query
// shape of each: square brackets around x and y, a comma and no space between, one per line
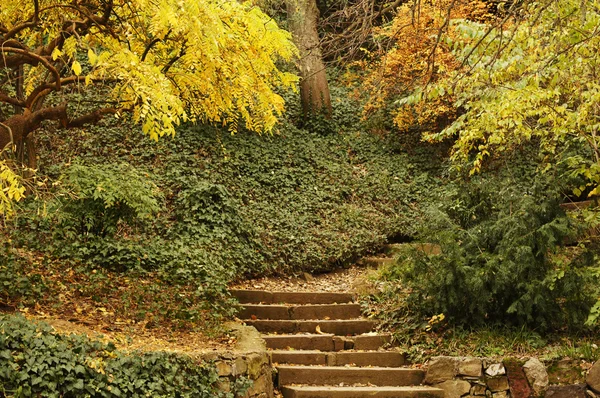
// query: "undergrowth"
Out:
[206,207]
[35,361]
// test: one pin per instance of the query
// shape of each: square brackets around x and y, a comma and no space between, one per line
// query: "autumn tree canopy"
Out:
[165,61]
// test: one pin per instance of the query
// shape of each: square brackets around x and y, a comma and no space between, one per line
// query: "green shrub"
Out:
[503,259]
[106,195]
[248,204]
[37,362]
[16,281]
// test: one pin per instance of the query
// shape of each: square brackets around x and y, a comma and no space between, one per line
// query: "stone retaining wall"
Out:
[248,359]
[515,378]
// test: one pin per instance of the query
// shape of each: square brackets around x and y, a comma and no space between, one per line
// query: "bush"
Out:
[242,204]
[17,282]
[106,195]
[37,362]
[503,259]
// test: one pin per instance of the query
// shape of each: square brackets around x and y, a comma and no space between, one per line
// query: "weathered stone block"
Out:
[593,378]
[496,369]
[441,369]
[478,390]
[572,391]
[471,367]
[455,388]
[239,367]
[223,368]
[517,381]
[536,375]
[498,384]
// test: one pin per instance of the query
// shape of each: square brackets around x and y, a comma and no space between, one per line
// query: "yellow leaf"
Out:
[56,53]
[76,68]
[92,57]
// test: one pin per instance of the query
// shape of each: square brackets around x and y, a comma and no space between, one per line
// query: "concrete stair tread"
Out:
[247,296]
[334,375]
[400,368]
[341,327]
[361,392]
[326,342]
[300,312]
[339,358]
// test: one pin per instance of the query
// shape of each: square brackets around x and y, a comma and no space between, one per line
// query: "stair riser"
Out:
[259,296]
[320,343]
[326,342]
[340,328]
[360,393]
[349,376]
[281,312]
[381,359]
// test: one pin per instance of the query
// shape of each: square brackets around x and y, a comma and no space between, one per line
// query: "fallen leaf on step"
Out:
[318,330]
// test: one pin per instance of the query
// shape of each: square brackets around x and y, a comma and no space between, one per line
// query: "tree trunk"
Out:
[314,90]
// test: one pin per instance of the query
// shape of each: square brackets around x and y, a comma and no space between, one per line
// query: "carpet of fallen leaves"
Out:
[134,311]
[353,279]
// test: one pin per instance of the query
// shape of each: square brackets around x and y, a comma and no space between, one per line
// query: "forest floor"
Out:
[350,279]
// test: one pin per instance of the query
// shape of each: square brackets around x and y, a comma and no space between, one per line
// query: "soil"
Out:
[151,340]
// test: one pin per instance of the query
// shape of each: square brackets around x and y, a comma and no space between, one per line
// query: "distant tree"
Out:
[303,17]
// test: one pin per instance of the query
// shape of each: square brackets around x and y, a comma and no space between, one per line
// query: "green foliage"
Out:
[243,203]
[512,90]
[16,282]
[37,362]
[106,195]
[502,259]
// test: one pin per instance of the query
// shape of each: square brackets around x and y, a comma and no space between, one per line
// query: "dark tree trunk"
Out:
[314,90]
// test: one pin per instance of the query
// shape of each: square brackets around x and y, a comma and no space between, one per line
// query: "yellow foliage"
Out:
[418,56]
[11,190]
[168,61]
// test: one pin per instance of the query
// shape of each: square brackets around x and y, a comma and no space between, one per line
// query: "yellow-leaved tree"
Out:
[164,61]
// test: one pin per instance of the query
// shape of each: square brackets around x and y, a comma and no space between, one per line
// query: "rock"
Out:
[593,378]
[536,375]
[572,391]
[498,384]
[455,388]
[478,390]
[440,369]
[471,367]
[517,381]
[496,369]
[239,367]
[262,384]
[223,368]
[502,394]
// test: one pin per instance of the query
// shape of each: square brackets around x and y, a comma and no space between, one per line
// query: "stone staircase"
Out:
[322,348]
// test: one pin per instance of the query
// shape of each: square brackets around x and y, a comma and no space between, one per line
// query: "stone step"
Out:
[326,342]
[335,375]
[361,392]
[393,249]
[309,311]
[341,358]
[377,261]
[265,297]
[337,327]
